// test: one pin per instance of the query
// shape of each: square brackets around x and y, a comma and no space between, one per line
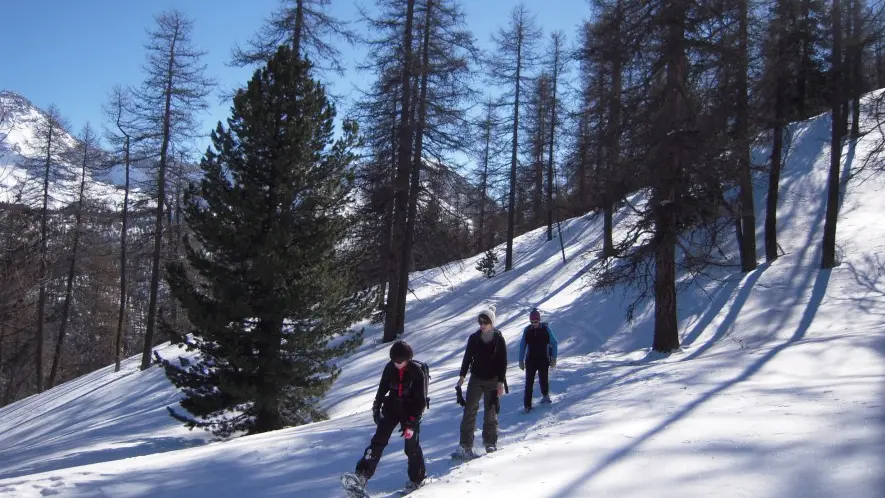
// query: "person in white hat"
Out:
[486,357]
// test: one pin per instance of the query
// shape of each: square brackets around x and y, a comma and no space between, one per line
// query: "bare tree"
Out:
[305,25]
[508,65]
[49,146]
[173,92]
[401,179]
[119,111]
[90,156]
[487,149]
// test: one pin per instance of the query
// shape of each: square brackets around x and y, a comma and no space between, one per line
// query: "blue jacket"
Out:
[538,345]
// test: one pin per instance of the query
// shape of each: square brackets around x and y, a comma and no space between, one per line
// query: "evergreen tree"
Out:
[271,305]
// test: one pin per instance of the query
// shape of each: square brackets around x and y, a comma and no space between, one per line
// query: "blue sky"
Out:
[72,53]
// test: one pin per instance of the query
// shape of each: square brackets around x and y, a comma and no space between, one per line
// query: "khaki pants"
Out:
[486,390]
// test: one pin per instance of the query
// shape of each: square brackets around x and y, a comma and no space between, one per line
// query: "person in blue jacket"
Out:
[537,351]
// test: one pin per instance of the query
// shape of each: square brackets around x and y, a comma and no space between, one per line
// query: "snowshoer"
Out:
[400,400]
[486,357]
[537,353]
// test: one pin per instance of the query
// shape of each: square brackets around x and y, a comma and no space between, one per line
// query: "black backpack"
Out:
[426,370]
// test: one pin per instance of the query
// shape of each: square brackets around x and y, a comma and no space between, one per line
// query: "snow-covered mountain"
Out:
[20,119]
[453,191]
[777,392]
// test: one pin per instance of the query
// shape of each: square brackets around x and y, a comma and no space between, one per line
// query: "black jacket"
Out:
[406,396]
[536,345]
[487,361]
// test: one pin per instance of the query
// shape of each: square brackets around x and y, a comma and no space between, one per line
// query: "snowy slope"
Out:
[778,392]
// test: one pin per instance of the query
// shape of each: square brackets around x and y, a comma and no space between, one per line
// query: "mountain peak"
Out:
[15,102]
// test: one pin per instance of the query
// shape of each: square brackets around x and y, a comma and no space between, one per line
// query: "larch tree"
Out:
[122,136]
[89,156]
[50,146]
[306,26]
[509,66]
[173,93]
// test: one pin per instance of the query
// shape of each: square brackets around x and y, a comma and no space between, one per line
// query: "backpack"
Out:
[424,368]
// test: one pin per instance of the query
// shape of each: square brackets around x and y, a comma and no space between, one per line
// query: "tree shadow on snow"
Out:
[818,293]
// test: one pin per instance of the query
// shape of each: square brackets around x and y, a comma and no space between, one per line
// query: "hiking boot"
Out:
[412,486]
[546,399]
[464,452]
[491,448]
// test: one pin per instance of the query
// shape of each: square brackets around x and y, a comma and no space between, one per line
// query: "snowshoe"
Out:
[410,486]
[354,485]
[463,453]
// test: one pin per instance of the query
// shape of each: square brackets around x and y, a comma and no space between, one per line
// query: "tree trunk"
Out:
[299,22]
[401,182]
[267,417]
[880,64]
[846,70]
[484,181]
[511,198]
[552,141]
[774,173]
[41,300]
[857,86]
[748,217]
[121,314]
[613,141]
[828,254]
[539,146]
[583,158]
[804,60]
[72,268]
[387,222]
[158,221]
[415,177]
[666,334]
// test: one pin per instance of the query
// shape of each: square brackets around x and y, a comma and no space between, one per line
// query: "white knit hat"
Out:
[489,312]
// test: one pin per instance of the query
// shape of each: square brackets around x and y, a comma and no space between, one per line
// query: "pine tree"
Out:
[486,265]
[271,306]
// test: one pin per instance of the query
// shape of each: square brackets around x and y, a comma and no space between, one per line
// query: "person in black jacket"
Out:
[400,400]
[486,357]
[537,351]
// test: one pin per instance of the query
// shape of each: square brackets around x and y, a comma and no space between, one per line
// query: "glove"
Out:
[376,414]
[552,362]
[460,394]
[408,429]
[521,365]
[500,391]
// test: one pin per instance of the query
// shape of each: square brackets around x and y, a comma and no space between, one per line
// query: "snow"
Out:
[18,136]
[777,391]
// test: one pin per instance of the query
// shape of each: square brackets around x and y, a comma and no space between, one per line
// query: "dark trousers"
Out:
[542,369]
[369,462]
